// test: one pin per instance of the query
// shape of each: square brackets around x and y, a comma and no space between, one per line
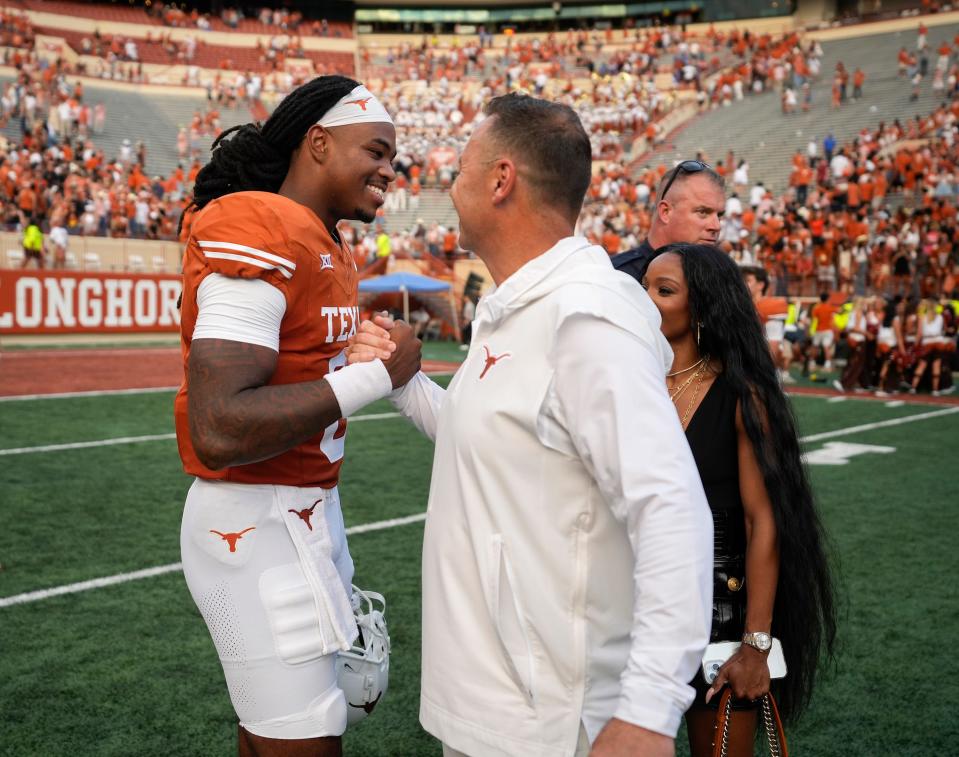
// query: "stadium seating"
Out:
[153,118]
[137,15]
[756,129]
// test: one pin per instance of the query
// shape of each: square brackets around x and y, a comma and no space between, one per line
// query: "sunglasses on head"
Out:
[687,166]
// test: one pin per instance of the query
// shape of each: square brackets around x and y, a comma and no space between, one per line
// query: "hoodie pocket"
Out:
[509,619]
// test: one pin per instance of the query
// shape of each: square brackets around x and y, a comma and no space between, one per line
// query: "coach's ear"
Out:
[504,180]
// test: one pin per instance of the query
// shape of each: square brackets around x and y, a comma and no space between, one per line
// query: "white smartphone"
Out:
[717,654]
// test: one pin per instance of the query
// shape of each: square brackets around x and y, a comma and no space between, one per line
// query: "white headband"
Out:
[358,107]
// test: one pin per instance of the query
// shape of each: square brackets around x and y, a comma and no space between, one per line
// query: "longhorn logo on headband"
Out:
[362,103]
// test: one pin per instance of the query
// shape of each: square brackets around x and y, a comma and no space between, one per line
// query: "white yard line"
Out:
[98,393]
[111,392]
[149,438]
[97,583]
[121,578]
[879,424]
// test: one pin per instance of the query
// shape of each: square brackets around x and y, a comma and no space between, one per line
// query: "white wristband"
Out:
[358,385]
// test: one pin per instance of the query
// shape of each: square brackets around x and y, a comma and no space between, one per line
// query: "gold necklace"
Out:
[676,373]
[692,400]
[682,387]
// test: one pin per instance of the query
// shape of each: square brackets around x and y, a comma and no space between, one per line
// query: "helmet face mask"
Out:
[362,672]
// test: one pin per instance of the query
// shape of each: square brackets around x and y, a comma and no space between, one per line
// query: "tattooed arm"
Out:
[236,419]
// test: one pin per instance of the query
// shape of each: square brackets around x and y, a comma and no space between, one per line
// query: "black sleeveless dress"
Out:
[712,437]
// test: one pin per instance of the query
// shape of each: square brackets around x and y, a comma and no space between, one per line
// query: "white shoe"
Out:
[837,385]
[464,347]
[881,393]
[949,390]
[787,378]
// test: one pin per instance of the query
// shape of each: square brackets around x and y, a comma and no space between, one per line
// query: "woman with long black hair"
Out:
[771,572]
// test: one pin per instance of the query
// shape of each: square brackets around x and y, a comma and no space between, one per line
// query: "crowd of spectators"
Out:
[271,19]
[832,229]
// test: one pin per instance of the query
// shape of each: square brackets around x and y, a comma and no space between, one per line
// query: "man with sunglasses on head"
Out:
[690,203]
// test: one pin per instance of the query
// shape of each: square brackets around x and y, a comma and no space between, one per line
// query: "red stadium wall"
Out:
[68,302]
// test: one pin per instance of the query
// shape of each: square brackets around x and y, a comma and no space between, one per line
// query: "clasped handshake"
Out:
[390,341]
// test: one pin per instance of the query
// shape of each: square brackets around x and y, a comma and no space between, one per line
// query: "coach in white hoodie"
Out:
[567,561]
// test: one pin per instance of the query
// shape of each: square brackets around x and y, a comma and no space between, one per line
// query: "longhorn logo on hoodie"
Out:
[492,360]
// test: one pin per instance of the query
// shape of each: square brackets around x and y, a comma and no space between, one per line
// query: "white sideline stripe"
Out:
[879,424]
[92,393]
[143,390]
[148,438]
[120,578]
[84,445]
[385,416]
[96,583]
[252,250]
[251,261]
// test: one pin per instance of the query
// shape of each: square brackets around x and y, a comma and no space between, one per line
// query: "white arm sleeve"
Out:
[240,310]
[420,401]
[611,397]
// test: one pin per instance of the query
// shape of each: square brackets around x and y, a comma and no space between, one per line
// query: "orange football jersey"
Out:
[270,237]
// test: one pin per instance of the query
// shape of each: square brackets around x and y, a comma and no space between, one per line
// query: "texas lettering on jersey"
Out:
[270,237]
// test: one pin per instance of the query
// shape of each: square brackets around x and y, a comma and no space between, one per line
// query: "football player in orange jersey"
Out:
[269,302]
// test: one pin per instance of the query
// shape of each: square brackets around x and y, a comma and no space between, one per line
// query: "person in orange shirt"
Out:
[611,241]
[269,303]
[858,79]
[772,313]
[853,195]
[824,337]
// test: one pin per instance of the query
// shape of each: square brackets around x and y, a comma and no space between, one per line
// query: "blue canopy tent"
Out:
[429,290]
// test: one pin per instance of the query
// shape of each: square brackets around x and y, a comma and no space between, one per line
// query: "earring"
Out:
[699,327]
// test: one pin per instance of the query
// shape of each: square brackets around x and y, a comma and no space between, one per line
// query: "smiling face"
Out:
[666,284]
[360,169]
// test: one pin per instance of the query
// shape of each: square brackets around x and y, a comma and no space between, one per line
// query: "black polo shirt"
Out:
[634,261]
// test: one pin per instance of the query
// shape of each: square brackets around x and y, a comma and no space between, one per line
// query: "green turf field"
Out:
[129,669]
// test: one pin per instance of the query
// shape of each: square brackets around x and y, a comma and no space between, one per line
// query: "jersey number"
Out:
[331,445]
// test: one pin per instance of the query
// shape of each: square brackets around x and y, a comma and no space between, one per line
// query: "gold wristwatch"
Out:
[758,640]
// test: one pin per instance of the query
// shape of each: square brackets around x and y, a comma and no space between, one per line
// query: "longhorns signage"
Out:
[73,302]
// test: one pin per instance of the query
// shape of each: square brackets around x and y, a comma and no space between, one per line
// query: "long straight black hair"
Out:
[804,614]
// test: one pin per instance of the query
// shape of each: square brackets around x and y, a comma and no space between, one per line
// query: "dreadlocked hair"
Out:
[804,614]
[251,157]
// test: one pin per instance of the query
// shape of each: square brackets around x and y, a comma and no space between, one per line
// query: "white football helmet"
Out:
[363,671]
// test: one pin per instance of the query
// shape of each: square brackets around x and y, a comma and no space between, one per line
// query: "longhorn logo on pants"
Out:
[305,513]
[232,539]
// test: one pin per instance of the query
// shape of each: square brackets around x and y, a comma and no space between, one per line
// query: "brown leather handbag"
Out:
[775,736]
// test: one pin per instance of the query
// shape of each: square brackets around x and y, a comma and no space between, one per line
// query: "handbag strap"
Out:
[775,736]
[721,729]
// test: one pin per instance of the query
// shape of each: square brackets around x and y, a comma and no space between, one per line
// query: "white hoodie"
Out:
[567,559]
